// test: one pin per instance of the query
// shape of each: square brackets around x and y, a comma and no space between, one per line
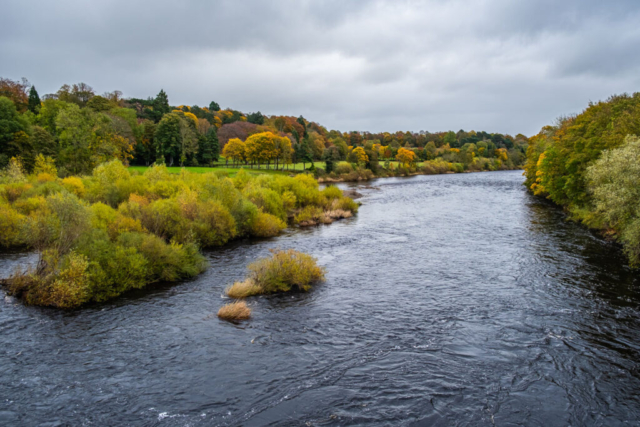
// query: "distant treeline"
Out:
[79,130]
[590,165]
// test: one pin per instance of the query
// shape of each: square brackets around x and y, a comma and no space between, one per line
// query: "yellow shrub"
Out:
[267,225]
[10,226]
[74,185]
[45,177]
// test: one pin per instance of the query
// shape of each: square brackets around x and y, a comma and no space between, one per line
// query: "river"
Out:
[449,300]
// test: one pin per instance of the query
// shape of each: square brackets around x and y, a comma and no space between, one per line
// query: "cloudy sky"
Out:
[495,65]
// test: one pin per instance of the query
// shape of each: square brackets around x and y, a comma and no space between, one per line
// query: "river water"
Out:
[449,300]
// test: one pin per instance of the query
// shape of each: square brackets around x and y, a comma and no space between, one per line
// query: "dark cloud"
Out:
[496,65]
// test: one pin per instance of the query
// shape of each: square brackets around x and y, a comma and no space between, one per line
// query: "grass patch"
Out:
[284,271]
[235,311]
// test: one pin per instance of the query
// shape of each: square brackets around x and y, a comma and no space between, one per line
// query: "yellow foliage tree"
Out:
[407,158]
[360,154]
[234,149]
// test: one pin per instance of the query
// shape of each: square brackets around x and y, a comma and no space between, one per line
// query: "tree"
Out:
[214,145]
[234,150]
[407,158]
[16,92]
[256,118]
[613,180]
[330,156]
[160,105]
[13,128]
[214,106]
[451,139]
[302,123]
[261,147]
[360,156]
[168,138]
[34,100]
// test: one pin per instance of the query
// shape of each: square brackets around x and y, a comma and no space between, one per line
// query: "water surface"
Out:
[449,300]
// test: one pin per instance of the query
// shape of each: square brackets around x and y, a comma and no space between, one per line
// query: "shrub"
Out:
[332,192]
[282,272]
[343,168]
[310,215]
[11,223]
[268,200]
[267,225]
[235,311]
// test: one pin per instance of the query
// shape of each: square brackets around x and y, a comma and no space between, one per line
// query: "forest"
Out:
[80,130]
[589,164]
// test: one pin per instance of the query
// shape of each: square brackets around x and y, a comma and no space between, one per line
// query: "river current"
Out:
[449,300]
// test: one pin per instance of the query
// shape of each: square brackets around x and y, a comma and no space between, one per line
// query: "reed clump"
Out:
[284,271]
[238,310]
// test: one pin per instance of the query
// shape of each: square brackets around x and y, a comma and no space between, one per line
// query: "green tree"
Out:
[13,130]
[214,106]
[168,139]
[256,118]
[160,105]
[209,149]
[34,100]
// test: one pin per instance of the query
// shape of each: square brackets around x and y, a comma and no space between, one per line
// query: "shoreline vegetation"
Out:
[589,164]
[98,236]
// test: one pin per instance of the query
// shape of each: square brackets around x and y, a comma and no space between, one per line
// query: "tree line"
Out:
[589,163]
[80,129]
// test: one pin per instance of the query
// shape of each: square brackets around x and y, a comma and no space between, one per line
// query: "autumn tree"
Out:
[235,150]
[406,158]
[261,147]
[16,92]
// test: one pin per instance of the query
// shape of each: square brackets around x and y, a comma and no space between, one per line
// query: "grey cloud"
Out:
[496,65]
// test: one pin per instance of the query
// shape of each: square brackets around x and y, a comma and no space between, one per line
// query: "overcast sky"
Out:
[495,65]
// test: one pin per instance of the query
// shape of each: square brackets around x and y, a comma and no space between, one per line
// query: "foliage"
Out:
[613,183]
[587,164]
[282,272]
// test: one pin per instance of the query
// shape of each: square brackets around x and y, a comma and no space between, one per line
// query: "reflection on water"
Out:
[451,299]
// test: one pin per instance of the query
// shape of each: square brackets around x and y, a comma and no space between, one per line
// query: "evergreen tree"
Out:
[256,118]
[208,147]
[160,105]
[34,100]
[214,106]
[214,144]
[304,125]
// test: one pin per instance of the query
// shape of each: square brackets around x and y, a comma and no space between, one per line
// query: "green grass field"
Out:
[197,169]
[231,171]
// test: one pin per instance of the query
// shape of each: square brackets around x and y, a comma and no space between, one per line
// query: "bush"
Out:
[332,192]
[343,168]
[282,272]
[235,311]
[267,225]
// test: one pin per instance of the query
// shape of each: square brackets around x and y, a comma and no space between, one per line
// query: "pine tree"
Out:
[208,147]
[34,100]
[161,105]
[214,144]
[214,106]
